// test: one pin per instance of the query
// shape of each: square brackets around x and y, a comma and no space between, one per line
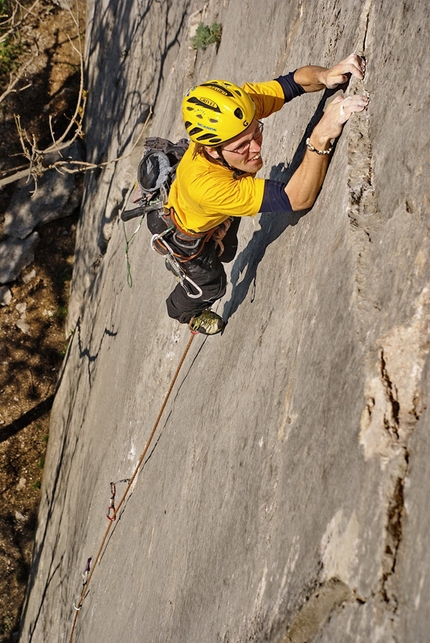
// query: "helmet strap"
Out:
[221,156]
[236,173]
[221,161]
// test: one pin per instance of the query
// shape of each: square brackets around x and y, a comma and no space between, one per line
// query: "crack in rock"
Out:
[394,405]
[362,210]
[394,397]
[393,536]
[391,393]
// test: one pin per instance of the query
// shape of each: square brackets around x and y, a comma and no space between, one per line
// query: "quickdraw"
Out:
[111,508]
[174,265]
[85,575]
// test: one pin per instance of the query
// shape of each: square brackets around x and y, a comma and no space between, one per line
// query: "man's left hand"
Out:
[354,65]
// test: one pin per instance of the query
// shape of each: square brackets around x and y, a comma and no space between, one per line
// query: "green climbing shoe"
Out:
[207,323]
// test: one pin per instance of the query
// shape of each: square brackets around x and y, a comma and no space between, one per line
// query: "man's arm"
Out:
[303,187]
[314,79]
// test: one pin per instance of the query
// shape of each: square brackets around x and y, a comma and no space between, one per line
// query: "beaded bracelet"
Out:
[311,148]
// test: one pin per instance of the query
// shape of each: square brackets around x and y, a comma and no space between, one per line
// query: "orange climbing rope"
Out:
[90,572]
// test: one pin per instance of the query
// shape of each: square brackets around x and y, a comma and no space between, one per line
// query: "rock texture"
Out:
[284,495]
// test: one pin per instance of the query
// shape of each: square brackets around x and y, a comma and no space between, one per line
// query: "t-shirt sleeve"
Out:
[289,86]
[268,97]
[275,198]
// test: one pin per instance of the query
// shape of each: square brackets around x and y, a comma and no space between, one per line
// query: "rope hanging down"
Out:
[128,242]
[89,571]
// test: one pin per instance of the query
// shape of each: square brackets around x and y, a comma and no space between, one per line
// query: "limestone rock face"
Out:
[283,496]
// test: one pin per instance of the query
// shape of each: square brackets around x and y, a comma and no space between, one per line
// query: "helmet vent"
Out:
[218,88]
[210,138]
[238,113]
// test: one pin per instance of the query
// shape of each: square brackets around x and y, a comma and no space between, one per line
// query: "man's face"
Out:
[244,151]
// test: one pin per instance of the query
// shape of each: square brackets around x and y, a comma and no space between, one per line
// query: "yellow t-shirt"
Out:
[203,194]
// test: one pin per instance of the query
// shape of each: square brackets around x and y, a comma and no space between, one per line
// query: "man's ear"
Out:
[212,152]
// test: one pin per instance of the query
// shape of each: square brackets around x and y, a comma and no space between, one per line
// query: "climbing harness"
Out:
[191,243]
[149,196]
[113,510]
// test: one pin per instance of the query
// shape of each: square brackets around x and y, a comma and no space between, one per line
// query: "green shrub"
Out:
[206,36]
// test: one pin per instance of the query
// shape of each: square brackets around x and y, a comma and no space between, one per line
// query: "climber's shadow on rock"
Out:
[272,224]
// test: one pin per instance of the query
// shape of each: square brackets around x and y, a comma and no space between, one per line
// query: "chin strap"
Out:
[236,173]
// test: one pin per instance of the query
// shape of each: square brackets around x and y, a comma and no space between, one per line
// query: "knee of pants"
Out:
[214,289]
[229,253]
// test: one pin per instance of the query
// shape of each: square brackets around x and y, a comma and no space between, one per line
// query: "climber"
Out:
[215,182]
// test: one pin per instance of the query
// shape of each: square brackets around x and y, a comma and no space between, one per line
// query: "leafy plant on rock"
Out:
[206,36]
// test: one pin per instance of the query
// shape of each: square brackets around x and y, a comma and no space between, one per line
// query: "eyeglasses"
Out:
[244,148]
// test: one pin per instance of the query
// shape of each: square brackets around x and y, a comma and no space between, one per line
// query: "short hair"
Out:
[200,149]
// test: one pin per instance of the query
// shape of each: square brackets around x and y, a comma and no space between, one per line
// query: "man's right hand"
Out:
[335,116]
[303,187]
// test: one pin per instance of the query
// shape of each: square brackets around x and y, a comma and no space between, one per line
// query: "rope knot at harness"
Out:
[219,234]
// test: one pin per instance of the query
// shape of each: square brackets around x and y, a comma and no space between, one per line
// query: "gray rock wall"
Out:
[284,496]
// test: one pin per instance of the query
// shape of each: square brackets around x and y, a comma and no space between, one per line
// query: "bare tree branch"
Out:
[36,157]
[14,24]
[29,146]
[15,78]
[68,166]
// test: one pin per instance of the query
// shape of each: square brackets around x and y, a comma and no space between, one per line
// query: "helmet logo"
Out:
[245,124]
[203,102]
[208,102]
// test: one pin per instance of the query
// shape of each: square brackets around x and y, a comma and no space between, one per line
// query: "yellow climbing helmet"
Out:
[216,111]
